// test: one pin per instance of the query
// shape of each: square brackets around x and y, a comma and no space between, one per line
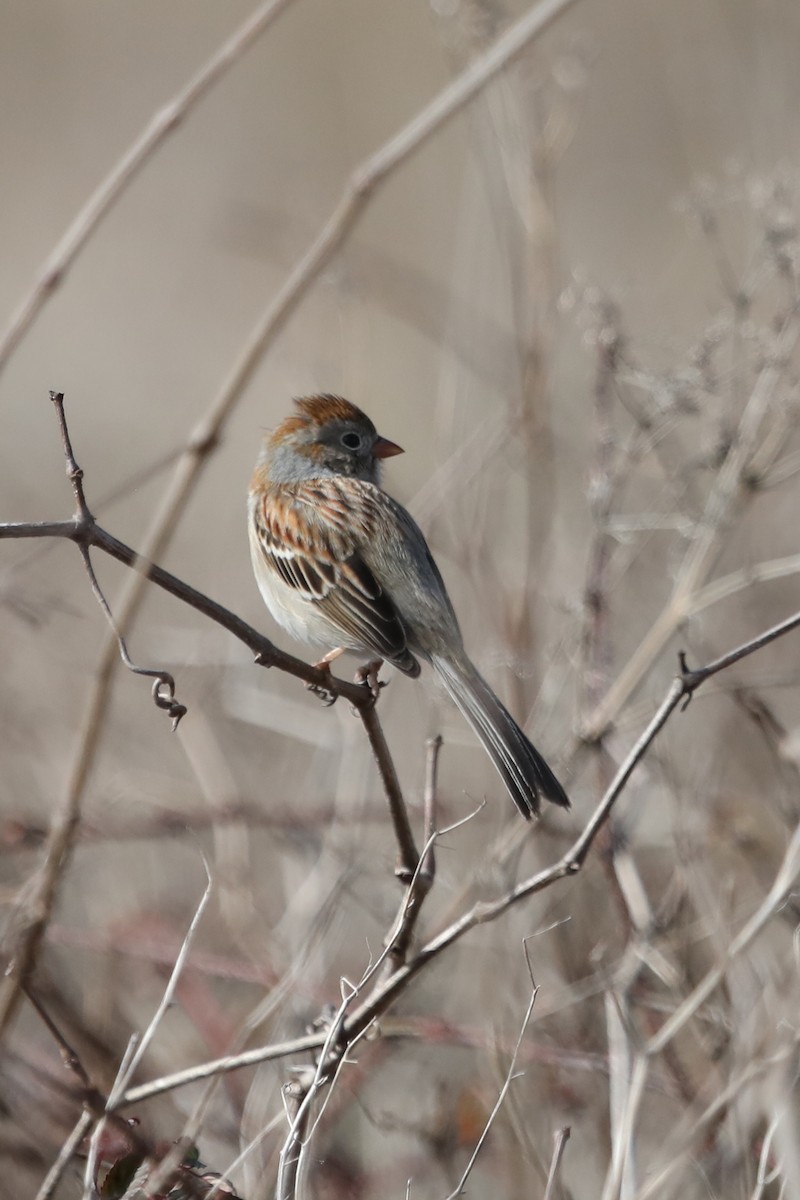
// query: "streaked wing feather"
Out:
[335,579]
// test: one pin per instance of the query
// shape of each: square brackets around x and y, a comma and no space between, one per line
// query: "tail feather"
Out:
[520,765]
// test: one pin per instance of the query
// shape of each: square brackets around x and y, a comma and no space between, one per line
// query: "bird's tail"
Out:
[521,766]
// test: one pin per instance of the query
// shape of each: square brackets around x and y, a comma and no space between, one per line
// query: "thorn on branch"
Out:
[691,678]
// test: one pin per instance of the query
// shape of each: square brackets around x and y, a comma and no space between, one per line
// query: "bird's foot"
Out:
[368,676]
[324,690]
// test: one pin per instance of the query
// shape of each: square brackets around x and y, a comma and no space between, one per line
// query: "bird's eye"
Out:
[352,441]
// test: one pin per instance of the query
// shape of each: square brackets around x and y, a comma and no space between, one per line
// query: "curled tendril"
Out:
[164,696]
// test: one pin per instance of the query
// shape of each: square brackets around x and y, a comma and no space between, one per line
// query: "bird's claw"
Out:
[325,691]
[368,677]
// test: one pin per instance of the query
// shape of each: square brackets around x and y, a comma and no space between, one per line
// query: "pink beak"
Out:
[383,448]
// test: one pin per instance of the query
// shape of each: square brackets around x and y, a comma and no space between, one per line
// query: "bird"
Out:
[341,564]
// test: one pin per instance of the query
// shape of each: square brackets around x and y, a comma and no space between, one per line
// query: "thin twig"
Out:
[137,1047]
[429,802]
[701,674]
[510,1077]
[399,937]
[65,1155]
[331,1055]
[699,558]
[230,1062]
[166,999]
[560,1137]
[163,682]
[69,1055]
[421,882]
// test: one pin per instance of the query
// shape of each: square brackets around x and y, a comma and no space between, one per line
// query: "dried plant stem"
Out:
[620,1156]
[737,581]
[65,1156]
[697,1124]
[133,1057]
[509,1079]
[303,1095]
[124,1077]
[700,557]
[784,881]
[95,1103]
[561,1137]
[230,1062]
[782,885]
[36,902]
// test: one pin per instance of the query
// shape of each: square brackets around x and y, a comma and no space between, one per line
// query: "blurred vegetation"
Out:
[576,307]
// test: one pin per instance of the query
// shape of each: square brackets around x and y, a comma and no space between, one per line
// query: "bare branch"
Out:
[407,854]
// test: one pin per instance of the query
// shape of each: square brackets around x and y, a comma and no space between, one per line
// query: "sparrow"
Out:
[342,565]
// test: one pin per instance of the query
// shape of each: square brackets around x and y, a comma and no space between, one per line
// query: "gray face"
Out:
[349,448]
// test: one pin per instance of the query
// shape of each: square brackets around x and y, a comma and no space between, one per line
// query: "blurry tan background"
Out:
[640,155]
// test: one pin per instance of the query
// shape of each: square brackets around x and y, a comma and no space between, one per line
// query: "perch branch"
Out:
[407,854]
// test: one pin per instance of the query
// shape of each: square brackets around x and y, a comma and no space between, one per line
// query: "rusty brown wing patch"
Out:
[309,534]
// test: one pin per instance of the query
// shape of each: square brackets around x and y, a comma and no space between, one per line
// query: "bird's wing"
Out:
[310,535]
